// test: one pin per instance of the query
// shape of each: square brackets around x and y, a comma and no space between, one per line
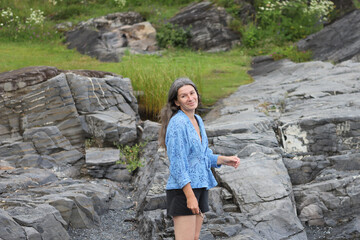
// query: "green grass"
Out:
[357,3]
[217,75]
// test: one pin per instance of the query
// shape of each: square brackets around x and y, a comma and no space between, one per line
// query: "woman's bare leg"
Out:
[185,227]
[199,221]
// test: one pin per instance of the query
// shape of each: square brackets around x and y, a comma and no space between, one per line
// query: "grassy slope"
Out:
[217,75]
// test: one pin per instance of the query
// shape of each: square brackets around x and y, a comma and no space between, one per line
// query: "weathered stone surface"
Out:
[9,229]
[336,42]
[102,156]
[108,37]
[208,25]
[307,115]
[47,140]
[18,178]
[112,126]
[42,133]
[32,234]
[44,218]
[43,104]
[20,78]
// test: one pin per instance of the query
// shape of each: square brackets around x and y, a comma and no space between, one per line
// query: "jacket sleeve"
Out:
[212,158]
[177,151]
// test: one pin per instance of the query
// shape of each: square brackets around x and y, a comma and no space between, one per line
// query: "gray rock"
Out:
[20,78]
[118,175]
[45,219]
[215,200]
[41,143]
[112,126]
[32,234]
[18,149]
[337,42]
[102,156]
[150,131]
[108,37]
[47,140]
[316,129]
[208,26]
[9,229]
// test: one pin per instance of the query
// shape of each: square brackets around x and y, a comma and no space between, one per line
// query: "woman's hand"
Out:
[193,205]
[232,161]
[191,201]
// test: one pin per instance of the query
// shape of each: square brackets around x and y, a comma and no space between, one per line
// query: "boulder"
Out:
[108,37]
[336,42]
[208,25]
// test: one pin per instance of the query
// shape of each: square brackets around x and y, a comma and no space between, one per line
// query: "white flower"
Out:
[120,3]
[36,17]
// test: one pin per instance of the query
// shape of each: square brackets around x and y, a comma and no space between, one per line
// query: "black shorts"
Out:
[177,205]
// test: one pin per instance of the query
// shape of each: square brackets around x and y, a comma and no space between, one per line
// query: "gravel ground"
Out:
[318,233]
[115,225]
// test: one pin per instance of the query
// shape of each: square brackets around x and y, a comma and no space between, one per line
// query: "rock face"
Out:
[208,26]
[46,115]
[337,42]
[108,37]
[312,109]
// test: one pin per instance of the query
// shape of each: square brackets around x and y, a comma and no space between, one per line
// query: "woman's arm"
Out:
[191,200]
[232,161]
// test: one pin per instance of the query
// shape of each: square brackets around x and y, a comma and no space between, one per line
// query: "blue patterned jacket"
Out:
[190,159]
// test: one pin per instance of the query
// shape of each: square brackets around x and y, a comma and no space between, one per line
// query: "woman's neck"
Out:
[190,114]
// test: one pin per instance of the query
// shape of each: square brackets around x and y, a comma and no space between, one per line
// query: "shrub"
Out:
[292,20]
[129,155]
[169,35]
[28,27]
[291,52]
[250,36]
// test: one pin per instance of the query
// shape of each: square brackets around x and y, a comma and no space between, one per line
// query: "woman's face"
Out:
[187,98]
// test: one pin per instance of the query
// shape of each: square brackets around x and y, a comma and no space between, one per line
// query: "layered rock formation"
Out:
[46,115]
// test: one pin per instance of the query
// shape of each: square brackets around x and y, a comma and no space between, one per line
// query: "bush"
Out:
[30,26]
[169,35]
[250,36]
[291,52]
[292,20]
[129,155]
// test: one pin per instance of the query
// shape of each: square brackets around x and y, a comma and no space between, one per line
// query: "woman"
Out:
[183,135]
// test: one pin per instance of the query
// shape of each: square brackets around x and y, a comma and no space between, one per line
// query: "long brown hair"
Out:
[170,109]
